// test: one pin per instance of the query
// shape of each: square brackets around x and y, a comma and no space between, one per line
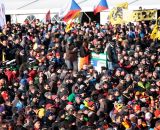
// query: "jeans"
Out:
[111,67]
[72,65]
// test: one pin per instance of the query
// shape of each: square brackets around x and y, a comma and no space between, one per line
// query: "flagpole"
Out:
[27,4]
[87,17]
[133,2]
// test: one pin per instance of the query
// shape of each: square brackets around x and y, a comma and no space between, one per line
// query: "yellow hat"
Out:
[137,93]
[41,112]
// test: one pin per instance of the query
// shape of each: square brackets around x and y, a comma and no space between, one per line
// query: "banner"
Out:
[99,60]
[116,14]
[155,32]
[140,15]
[144,15]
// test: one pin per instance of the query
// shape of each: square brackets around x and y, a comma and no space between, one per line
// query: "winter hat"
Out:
[81,106]
[71,97]
[157,113]
[48,106]
[5,95]
[137,108]
[148,116]
[19,105]
[41,112]
[47,94]
[23,82]
[90,104]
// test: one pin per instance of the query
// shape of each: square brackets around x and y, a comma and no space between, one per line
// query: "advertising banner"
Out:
[98,61]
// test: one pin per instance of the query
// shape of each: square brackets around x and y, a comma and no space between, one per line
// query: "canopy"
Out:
[42,6]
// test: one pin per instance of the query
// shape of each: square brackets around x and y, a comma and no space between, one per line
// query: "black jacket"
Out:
[83,52]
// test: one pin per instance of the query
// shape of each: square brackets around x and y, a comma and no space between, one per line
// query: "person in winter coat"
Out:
[84,55]
[71,56]
[111,55]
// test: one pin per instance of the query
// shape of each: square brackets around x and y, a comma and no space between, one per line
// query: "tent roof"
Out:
[42,6]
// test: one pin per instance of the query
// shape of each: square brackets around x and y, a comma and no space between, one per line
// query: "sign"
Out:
[98,61]
[144,15]
[140,15]
[116,15]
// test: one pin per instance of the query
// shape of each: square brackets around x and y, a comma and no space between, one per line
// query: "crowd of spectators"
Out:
[41,87]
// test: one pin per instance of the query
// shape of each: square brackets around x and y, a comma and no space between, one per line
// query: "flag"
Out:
[123,5]
[116,14]
[69,11]
[70,22]
[48,16]
[68,27]
[102,5]
[154,32]
[2,15]
[3,56]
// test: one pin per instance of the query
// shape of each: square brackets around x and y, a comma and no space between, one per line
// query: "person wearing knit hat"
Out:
[71,97]
[157,113]
[5,95]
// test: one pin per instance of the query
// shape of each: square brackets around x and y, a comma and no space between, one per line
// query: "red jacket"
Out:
[32,74]
[9,75]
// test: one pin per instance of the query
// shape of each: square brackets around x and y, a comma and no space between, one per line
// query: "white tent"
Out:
[41,7]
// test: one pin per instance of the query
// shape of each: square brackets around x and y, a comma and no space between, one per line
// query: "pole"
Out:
[27,4]
[133,2]
[87,17]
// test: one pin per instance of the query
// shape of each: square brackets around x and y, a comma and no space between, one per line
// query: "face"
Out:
[78,100]
[4,43]
[37,125]
[136,55]
[116,93]
[158,83]
[57,100]
[2,81]
[128,78]
[122,73]
[143,61]
[139,121]
[118,73]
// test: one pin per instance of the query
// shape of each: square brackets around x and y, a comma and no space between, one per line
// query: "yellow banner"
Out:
[155,32]
[116,14]
[123,5]
[140,15]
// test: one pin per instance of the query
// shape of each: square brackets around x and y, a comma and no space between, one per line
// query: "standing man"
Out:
[111,56]
[71,55]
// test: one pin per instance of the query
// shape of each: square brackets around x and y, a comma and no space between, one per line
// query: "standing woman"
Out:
[84,55]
